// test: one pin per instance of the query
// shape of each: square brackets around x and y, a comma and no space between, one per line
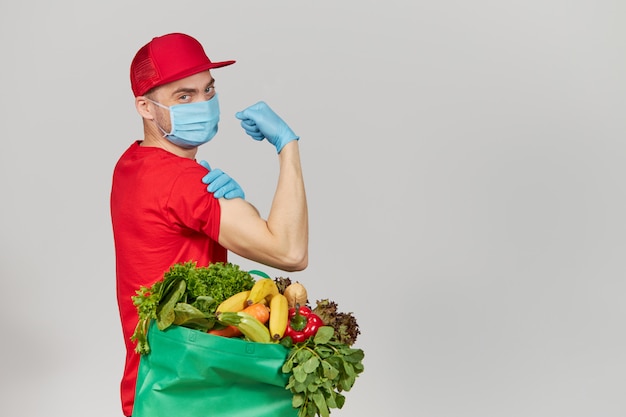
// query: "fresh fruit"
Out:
[235,302]
[279,312]
[262,288]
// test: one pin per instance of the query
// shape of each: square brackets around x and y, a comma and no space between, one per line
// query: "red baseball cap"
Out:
[168,58]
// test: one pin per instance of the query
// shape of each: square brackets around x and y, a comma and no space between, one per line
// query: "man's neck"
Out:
[161,142]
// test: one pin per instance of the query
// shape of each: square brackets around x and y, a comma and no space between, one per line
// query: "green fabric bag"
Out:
[189,373]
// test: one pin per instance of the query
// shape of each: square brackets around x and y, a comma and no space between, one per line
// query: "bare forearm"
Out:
[282,240]
[288,219]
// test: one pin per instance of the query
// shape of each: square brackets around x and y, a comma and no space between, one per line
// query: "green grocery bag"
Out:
[189,373]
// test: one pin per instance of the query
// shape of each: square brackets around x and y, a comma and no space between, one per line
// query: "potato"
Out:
[296,294]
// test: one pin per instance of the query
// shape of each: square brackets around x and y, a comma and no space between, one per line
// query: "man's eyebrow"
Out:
[184,90]
[190,90]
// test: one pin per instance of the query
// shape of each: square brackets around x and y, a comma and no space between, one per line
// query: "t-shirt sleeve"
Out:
[191,206]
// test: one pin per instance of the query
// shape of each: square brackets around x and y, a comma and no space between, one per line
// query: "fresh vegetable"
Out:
[321,363]
[345,324]
[218,281]
[249,325]
[264,288]
[259,311]
[282,283]
[320,369]
[279,313]
[226,331]
[296,294]
[187,296]
[302,324]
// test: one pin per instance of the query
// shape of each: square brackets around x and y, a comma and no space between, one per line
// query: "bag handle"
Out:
[259,273]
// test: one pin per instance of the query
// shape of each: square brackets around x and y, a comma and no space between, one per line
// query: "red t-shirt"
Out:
[162,214]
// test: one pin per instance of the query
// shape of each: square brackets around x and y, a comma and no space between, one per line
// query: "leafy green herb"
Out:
[321,369]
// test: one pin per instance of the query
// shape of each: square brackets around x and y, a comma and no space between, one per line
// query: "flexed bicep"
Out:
[243,231]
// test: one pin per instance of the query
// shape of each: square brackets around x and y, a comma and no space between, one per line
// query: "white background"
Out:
[464,162]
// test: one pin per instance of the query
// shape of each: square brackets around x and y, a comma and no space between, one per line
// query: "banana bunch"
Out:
[234,303]
[265,291]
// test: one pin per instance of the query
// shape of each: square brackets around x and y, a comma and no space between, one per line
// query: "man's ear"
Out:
[141,104]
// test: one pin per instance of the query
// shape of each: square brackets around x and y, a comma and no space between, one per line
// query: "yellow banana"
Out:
[279,312]
[262,288]
[235,302]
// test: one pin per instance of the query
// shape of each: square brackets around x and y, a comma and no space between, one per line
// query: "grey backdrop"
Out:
[464,164]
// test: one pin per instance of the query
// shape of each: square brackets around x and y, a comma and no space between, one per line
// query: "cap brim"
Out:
[194,70]
[220,64]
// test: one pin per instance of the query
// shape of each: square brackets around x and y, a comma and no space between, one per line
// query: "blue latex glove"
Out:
[260,122]
[221,184]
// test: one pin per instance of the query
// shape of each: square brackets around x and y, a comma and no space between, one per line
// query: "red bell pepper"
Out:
[302,324]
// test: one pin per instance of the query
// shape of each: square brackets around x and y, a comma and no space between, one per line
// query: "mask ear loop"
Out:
[154,120]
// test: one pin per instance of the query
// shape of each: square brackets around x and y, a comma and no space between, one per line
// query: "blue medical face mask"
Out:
[193,124]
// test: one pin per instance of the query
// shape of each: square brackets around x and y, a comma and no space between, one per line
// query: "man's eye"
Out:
[209,89]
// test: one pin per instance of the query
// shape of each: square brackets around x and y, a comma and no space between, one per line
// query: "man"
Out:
[161,211]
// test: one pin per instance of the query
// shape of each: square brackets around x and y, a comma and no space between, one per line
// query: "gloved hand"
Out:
[259,121]
[221,184]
